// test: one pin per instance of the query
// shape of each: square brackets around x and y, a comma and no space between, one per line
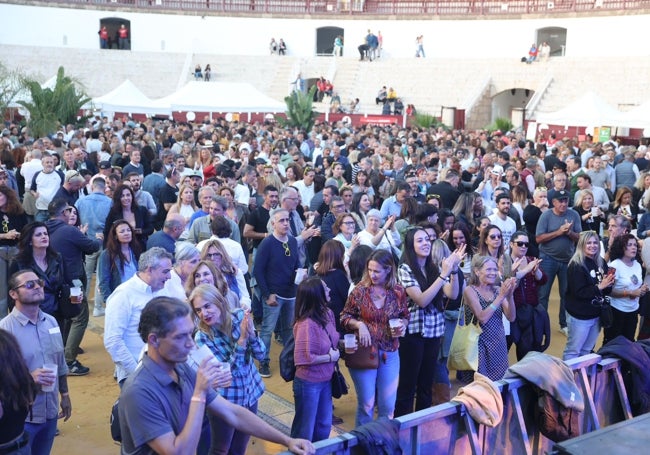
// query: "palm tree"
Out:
[50,108]
[300,113]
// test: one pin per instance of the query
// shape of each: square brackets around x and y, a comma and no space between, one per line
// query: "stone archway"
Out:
[113,25]
[555,37]
[325,39]
[511,104]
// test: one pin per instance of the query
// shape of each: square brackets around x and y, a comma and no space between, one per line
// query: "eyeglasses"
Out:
[337,207]
[522,244]
[287,251]
[30,284]
[213,255]
[348,223]
[494,236]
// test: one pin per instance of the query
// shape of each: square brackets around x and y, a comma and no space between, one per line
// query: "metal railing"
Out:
[457,8]
[448,428]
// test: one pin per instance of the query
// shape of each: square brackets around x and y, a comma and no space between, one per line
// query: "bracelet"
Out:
[493,307]
[197,399]
[444,278]
[65,394]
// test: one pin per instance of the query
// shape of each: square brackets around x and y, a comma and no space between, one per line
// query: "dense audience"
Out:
[383,233]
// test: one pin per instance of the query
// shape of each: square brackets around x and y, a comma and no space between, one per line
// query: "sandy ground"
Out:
[87,432]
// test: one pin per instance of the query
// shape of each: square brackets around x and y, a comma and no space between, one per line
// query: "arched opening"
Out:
[325,37]
[511,104]
[112,35]
[555,37]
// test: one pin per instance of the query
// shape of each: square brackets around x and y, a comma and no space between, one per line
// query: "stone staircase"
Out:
[429,84]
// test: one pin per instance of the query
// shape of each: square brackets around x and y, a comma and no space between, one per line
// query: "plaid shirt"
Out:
[247,385]
[428,320]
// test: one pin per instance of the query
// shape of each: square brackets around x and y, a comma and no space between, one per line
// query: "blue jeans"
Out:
[313,402]
[552,268]
[382,382]
[41,436]
[282,314]
[583,334]
[225,439]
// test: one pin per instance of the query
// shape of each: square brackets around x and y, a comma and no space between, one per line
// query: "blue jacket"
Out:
[73,246]
[93,211]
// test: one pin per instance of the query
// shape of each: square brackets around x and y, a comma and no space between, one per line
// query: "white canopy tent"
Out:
[588,110]
[221,97]
[639,117]
[128,98]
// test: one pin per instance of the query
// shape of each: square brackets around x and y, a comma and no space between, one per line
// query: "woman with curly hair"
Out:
[125,207]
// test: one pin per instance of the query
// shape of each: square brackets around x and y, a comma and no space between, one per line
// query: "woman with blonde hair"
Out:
[487,301]
[205,272]
[230,335]
[469,208]
[185,206]
[490,243]
[214,251]
[591,217]
[623,205]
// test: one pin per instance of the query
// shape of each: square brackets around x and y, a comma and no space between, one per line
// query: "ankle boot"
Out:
[440,393]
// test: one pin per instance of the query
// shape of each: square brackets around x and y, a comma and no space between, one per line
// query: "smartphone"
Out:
[611,271]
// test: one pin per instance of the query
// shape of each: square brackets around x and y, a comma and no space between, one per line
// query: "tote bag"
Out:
[463,352]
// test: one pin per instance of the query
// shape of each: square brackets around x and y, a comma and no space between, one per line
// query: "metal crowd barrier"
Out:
[448,428]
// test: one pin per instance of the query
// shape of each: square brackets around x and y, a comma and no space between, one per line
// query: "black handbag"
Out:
[339,385]
[286,362]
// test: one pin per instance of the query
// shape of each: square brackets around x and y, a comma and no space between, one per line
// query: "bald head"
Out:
[174,225]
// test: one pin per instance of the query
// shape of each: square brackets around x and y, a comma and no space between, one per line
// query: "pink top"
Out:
[312,340]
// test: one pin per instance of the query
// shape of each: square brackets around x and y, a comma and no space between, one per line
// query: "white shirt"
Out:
[627,279]
[242,194]
[365,238]
[507,226]
[29,169]
[306,192]
[123,309]
[47,185]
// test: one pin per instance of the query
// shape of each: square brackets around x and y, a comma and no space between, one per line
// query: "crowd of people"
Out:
[229,235]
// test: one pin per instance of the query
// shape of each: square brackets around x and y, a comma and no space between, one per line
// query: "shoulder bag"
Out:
[463,352]
[339,386]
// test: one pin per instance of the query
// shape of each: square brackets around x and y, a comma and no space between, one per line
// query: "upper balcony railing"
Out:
[456,8]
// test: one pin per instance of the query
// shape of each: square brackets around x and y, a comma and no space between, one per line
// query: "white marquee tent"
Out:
[588,110]
[221,97]
[639,117]
[128,98]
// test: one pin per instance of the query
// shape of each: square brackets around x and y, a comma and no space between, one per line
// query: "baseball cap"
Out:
[560,195]
[497,169]
[104,164]
[198,174]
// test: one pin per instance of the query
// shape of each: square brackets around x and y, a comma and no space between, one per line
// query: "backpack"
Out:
[380,437]
[287,365]
[555,421]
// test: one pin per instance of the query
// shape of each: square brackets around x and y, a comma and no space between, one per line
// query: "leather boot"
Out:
[440,393]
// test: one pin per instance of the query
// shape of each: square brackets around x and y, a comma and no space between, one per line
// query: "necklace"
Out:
[377,294]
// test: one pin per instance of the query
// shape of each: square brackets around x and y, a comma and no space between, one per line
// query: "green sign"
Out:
[604,133]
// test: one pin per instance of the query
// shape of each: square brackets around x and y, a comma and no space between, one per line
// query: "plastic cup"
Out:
[594,211]
[394,325]
[196,356]
[75,294]
[54,368]
[350,341]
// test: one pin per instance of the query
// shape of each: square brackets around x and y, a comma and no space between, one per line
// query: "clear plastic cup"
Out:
[55,369]
[350,341]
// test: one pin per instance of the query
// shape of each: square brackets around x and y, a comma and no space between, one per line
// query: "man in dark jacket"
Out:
[73,246]
[447,190]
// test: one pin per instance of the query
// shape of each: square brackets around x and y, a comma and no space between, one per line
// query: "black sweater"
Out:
[582,289]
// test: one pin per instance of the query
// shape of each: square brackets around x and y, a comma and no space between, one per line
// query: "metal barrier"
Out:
[468,8]
[448,428]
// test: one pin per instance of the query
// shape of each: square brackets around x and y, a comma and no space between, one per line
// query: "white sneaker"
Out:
[98,312]
[564,331]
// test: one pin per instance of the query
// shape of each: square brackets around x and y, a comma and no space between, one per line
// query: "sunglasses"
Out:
[31,284]
[522,244]
[213,255]
[287,251]
[494,236]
